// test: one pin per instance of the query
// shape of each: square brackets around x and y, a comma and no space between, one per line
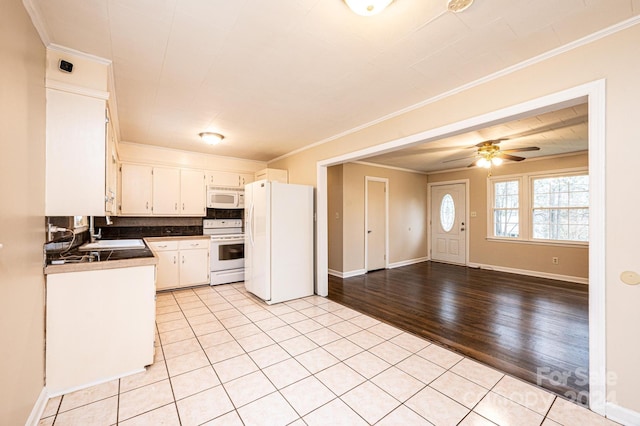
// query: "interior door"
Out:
[376,221]
[448,226]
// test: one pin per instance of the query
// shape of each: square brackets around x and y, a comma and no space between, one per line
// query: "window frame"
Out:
[525,206]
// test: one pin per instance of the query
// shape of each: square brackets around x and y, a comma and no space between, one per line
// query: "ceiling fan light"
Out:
[496,161]
[211,138]
[482,162]
[367,7]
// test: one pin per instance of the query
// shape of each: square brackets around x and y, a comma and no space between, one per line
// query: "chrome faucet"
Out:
[92,235]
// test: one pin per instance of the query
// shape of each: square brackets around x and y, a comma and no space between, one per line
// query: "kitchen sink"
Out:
[112,245]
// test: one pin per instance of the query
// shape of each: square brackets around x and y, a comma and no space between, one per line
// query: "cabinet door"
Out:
[245,178]
[168,272]
[166,191]
[194,267]
[75,154]
[192,193]
[226,179]
[137,187]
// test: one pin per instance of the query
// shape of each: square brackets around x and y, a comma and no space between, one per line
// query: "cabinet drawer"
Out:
[163,245]
[193,244]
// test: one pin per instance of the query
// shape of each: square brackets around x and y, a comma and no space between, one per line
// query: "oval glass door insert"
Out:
[447,213]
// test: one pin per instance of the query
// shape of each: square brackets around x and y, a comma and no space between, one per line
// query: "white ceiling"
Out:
[556,132]
[275,76]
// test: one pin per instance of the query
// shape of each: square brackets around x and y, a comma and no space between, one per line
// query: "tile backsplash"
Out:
[140,227]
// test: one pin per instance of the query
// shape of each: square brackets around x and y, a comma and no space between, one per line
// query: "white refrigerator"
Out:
[278,240]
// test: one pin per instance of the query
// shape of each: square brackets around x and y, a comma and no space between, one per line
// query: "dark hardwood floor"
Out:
[532,328]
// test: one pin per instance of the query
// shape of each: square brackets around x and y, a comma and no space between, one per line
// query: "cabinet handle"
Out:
[182,206]
[183,260]
[162,246]
[146,206]
[174,260]
[176,207]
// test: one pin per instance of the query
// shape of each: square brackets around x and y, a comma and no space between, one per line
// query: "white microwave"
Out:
[225,198]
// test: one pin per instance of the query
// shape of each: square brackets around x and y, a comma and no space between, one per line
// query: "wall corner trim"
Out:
[622,415]
[38,408]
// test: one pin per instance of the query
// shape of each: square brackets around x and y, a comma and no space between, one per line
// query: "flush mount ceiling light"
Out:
[458,6]
[211,138]
[367,7]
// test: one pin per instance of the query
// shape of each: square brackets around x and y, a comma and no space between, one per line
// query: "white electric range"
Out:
[227,249]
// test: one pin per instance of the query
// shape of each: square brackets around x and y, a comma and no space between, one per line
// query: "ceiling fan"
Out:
[489,154]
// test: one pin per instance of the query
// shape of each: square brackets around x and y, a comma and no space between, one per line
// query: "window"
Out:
[506,213]
[549,207]
[561,208]
[447,213]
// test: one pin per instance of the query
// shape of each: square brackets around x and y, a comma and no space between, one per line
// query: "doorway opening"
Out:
[376,227]
[594,94]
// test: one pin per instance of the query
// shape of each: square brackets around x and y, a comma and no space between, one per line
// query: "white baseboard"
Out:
[407,262]
[568,278]
[38,409]
[622,415]
[347,274]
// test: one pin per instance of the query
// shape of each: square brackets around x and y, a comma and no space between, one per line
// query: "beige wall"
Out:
[22,145]
[407,215]
[336,215]
[574,261]
[610,58]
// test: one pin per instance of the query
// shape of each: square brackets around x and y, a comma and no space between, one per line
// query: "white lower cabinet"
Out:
[100,325]
[182,262]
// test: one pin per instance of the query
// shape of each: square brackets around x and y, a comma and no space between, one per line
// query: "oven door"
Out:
[227,254]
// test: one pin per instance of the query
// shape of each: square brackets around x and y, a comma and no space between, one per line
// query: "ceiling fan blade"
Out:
[473,164]
[459,158]
[510,157]
[527,148]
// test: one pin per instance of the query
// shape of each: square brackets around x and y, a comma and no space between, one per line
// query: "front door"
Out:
[448,227]
[376,224]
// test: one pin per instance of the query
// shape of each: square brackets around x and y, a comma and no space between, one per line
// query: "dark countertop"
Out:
[76,260]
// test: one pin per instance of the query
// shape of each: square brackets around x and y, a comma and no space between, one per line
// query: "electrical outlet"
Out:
[555,260]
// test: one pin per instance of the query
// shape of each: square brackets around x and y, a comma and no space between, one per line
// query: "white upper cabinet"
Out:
[162,191]
[166,191]
[273,175]
[76,148]
[192,193]
[75,157]
[136,190]
[228,179]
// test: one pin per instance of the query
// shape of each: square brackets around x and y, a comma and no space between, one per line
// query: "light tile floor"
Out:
[224,357]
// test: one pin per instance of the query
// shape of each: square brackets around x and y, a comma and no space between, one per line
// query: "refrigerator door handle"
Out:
[251,224]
